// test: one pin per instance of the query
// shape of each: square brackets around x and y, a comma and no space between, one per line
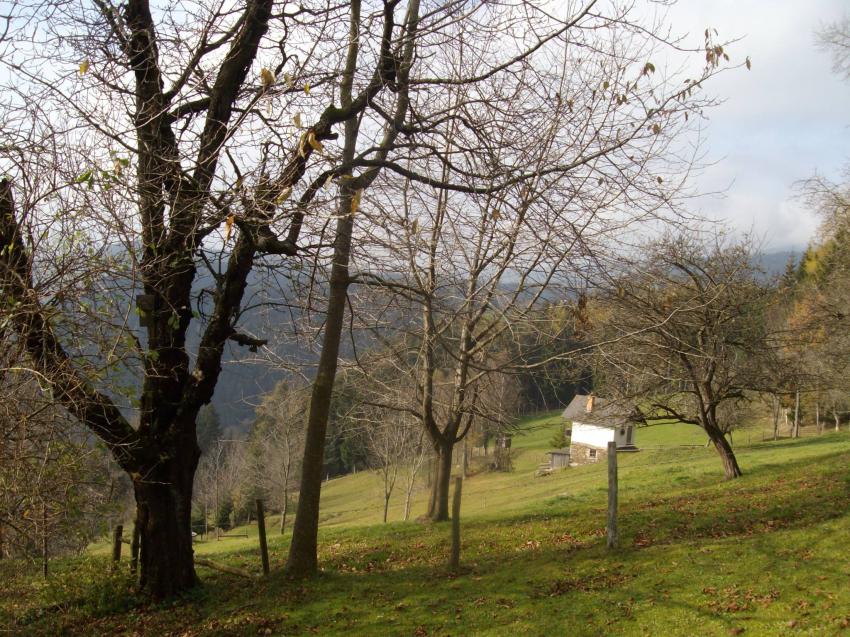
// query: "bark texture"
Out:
[727,456]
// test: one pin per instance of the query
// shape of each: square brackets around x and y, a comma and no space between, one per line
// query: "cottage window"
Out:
[591,453]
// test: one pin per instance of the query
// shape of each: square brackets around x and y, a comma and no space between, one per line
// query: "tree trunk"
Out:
[386,506]
[797,414]
[438,509]
[407,497]
[835,415]
[727,456]
[283,511]
[454,561]
[43,539]
[217,502]
[776,407]
[302,560]
[163,514]
[817,416]
[433,472]
[134,548]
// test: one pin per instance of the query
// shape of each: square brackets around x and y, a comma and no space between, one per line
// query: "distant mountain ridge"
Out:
[242,384]
[774,263]
[245,378]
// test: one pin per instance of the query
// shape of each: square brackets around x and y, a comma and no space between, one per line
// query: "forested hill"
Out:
[244,382]
[246,376]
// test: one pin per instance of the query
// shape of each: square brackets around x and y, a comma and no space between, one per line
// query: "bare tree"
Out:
[277,444]
[221,472]
[141,139]
[416,454]
[395,446]
[162,132]
[682,335]
[389,66]
[500,400]
[835,38]
[54,490]
[515,211]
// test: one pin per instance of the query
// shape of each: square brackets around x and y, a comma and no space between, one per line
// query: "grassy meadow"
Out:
[762,555]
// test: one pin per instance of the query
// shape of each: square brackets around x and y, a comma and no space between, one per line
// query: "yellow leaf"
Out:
[315,144]
[84,66]
[297,120]
[284,195]
[228,224]
[495,214]
[328,181]
[415,226]
[288,79]
[307,88]
[355,201]
[266,77]
[302,144]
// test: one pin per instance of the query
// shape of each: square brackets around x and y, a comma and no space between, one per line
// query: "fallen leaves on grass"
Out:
[593,582]
[734,599]
[568,539]
[642,540]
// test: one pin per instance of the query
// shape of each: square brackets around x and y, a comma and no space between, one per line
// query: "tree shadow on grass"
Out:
[388,580]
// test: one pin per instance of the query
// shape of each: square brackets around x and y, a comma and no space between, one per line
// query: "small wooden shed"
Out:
[559,458]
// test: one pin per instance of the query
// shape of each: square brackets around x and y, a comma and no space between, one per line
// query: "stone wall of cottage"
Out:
[582,454]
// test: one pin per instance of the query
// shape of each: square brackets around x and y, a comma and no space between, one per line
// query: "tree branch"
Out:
[70,388]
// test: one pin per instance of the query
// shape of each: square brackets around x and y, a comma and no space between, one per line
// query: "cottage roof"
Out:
[593,410]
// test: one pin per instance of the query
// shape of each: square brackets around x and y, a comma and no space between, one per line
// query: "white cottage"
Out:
[595,423]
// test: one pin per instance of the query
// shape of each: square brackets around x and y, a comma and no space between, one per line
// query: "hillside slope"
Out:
[762,555]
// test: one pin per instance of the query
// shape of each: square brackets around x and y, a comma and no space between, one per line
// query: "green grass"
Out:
[762,555]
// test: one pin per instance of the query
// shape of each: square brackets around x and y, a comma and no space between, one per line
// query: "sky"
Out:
[785,120]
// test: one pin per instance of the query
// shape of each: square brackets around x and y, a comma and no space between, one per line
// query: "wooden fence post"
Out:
[261,528]
[117,532]
[612,495]
[455,559]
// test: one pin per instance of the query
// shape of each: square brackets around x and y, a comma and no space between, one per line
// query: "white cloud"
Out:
[786,120]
